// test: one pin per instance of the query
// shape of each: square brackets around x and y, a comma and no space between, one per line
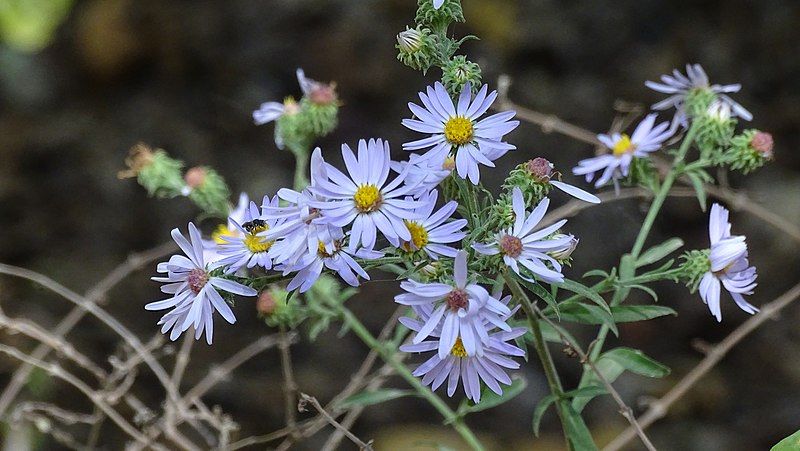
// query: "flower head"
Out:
[679,87]
[489,366]
[541,170]
[194,290]
[332,254]
[521,245]
[729,265]
[430,233]
[455,128]
[424,173]
[647,138]
[365,199]
[249,247]
[460,310]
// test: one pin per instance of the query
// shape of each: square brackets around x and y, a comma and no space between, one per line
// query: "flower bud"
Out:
[411,40]
[195,177]
[714,130]
[212,194]
[762,142]
[266,304]
[540,168]
[458,72]
[159,174]
[749,151]
[415,48]
[438,18]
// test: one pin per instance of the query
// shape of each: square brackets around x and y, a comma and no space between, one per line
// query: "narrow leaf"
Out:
[368,398]
[540,410]
[656,253]
[491,399]
[636,361]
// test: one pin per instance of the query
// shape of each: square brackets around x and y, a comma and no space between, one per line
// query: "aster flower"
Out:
[194,295]
[520,245]
[729,265]
[437,4]
[460,309]
[455,128]
[211,247]
[314,90]
[457,366]
[647,138]
[424,173]
[679,86]
[333,255]
[542,170]
[431,233]
[365,199]
[298,231]
[249,248]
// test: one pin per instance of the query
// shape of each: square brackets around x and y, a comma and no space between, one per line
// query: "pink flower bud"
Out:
[195,177]
[265,305]
[762,142]
[540,168]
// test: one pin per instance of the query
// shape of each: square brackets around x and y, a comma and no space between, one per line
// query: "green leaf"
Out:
[368,398]
[590,314]
[635,361]
[596,273]
[615,362]
[591,390]
[540,410]
[699,178]
[605,310]
[541,293]
[491,399]
[656,253]
[790,443]
[578,433]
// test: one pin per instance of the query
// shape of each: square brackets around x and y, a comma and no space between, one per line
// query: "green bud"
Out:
[275,308]
[159,174]
[698,100]
[459,71]
[438,19]
[415,48]
[319,118]
[642,172]
[695,265]
[532,178]
[207,189]
[564,256]
[749,151]
[714,130]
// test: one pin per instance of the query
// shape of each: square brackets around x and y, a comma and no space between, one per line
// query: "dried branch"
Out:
[658,409]
[306,399]
[95,294]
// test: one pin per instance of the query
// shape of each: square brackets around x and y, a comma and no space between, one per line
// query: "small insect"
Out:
[254,225]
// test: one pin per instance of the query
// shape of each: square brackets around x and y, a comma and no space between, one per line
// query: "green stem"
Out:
[541,349]
[652,213]
[300,168]
[387,355]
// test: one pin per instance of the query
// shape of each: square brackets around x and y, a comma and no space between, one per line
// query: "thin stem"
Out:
[289,384]
[387,355]
[541,349]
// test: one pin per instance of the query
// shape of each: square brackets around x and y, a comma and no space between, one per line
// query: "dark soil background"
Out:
[185,76]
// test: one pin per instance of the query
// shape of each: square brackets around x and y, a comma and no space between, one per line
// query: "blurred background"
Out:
[82,81]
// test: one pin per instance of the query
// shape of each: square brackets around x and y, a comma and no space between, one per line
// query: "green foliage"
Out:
[490,399]
[30,25]
[158,173]
[416,48]
[695,265]
[278,309]
[643,173]
[324,301]
[656,253]
[438,19]
[591,314]
[790,443]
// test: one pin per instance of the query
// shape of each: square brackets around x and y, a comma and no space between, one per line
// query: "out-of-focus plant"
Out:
[29,25]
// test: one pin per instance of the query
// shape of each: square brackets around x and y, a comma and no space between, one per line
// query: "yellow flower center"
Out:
[255,243]
[322,249]
[458,130]
[419,236]
[458,349]
[367,198]
[623,146]
[220,232]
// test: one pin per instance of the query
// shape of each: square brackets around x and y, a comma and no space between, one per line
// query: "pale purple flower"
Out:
[678,86]
[460,309]
[437,4]
[521,246]
[647,138]
[365,199]
[431,233]
[237,215]
[542,170]
[424,173]
[729,265]
[249,247]
[331,254]
[194,295]
[455,128]
[489,366]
